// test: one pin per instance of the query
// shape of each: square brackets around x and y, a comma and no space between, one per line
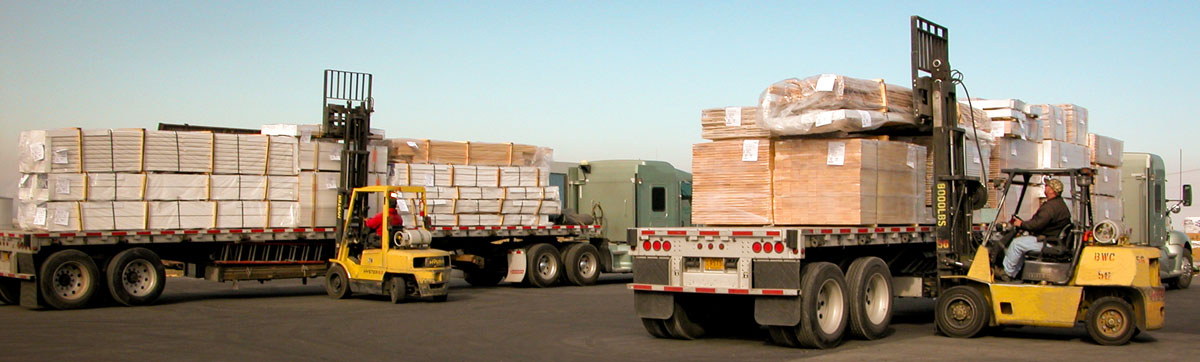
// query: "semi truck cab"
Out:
[1147,216]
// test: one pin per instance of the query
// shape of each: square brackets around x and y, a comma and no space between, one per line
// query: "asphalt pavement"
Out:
[285,320]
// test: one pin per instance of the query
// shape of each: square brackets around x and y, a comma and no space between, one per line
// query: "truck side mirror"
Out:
[1187,195]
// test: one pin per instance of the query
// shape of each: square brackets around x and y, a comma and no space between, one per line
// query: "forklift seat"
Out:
[1053,263]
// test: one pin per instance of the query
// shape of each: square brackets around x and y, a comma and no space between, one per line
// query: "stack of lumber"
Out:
[1053,119]
[475,183]
[1076,119]
[731,122]
[731,182]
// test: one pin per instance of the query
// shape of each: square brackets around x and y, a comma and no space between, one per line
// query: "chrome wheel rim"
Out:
[587,265]
[830,307]
[546,266]
[878,299]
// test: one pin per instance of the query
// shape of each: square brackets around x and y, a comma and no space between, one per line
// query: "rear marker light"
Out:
[666,246]
[778,247]
[699,246]
[757,247]
[710,246]
[657,245]
[646,245]
[721,246]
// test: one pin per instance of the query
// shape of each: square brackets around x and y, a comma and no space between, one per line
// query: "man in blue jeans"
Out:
[1047,223]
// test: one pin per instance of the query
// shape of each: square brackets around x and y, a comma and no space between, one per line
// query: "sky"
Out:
[593,80]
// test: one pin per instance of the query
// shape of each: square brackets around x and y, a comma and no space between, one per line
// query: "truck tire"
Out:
[543,266]
[582,262]
[823,315]
[656,327]
[962,312]
[1110,321]
[681,325]
[68,279]
[1183,281]
[482,278]
[10,291]
[136,277]
[337,282]
[869,282]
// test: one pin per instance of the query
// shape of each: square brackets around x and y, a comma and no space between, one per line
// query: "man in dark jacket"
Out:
[1047,223]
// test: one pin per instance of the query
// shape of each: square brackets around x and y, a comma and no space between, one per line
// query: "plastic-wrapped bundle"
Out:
[406,150]
[802,106]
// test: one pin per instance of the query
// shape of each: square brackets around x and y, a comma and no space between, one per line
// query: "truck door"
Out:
[685,203]
[657,197]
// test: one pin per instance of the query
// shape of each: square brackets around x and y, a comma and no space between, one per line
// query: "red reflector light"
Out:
[721,246]
[699,246]
[778,247]
[757,247]
[666,246]
[646,245]
[710,246]
[657,245]
[1087,236]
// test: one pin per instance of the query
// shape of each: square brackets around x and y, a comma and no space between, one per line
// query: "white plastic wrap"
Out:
[179,151]
[1053,120]
[1106,151]
[283,157]
[1107,181]
[318,199]
[182,215]
[283,188]
[533,193]
[524,176]
[257,214]
[173,187]
[538,207]
[478,193]
[116,186]
[998,103]
[238,187]
[1076,118]
[52,187]
[525,220]
[113,150]
[54,151]
[322,155]
[48,216]
[113,215]
[244,154]
[1059,154]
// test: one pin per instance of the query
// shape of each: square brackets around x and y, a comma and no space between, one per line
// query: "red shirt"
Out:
[376,222]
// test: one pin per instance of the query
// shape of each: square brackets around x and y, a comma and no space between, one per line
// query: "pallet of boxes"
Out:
[819,151]
[471,184]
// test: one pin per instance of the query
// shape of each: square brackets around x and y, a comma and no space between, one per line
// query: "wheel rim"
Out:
[547,268]
[335,281]
[877,299]
[138,278]
[1112,323]
[70,281]
[587,265]
[961,312]
[829,307]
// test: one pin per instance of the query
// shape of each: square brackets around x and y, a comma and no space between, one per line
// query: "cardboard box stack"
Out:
[807,160]
[1106,156]
[475,183]
[135,179]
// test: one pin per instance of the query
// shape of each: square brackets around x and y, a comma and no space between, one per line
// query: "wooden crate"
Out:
[731,182]
[826,182]
[731,122]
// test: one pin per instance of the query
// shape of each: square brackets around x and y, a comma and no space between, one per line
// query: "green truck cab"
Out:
[1147,215]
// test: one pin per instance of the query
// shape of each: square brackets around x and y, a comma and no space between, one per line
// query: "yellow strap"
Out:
[467,157]
[883,95]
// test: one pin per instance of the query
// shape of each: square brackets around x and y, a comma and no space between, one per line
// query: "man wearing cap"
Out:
[1047,223]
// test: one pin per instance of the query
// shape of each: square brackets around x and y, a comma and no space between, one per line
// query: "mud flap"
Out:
[777,311]
[654,304]
[516,266]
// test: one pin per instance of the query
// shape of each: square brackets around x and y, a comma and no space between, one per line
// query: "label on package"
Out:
[402,205]
[866,118]
[825,118]
[428,180]
[60,156]
[911,159]
[39,216]
[412,144]
[837,154]
[38,151]
[305,136]
[335,156]
[826,82]
[61,217]
[733,116]
[62,186]
[750,150]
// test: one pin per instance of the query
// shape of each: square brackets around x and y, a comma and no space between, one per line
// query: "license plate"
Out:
[714,264]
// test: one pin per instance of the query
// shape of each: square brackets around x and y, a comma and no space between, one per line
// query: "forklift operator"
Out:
[376,222]
[1047,223]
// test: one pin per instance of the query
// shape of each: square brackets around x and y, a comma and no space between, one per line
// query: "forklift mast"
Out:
[346,107]
[935,104]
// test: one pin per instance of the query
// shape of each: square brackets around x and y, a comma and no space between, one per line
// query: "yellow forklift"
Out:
[394,262]
[1087,276]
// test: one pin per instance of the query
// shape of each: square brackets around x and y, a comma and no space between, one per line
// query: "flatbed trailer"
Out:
[92,258]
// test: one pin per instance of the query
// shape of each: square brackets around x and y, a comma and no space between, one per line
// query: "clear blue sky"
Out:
[593,80]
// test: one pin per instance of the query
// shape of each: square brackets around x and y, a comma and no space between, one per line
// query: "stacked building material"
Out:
[847,181]
[730,123]
[731,182]
[1053,119]
[1076,119]
[1106,156]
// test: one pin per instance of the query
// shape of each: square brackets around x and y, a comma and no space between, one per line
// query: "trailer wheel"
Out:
[681,325]
[337,283]
[1110,321]
[136,277]
[582,263]
[870,288]
[656,327]
[10,291]
[68,279]
[544,265]
[962,312]
[823,314]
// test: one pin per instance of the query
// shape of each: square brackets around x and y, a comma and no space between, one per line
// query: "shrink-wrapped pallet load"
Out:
[1053,120]
[321,155]
[283,188]
[901,183]
[1106,151]
[49,216]
[731,122]
[731,182]
[318,199]
[44,187]
[238,187]
[240,154]
[1076,120]
[1059,154]
[1107,181]
[1012,153]
[182,215]
[172,187]
[50,151]
[811,105]
[113,150]
[179,151]
[257,214]
[113,215]
[1107,208]
[116,186]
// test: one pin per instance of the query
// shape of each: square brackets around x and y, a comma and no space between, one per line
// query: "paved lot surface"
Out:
[284,320]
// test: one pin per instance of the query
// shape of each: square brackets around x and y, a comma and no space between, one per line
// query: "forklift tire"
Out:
[1110,321]
[136,277]
[337,283]
[482,278]
[870,289]
[582,263]
[396,289]
[543,266]
[962,312]
[681,326]
[68,279]
[823,309]
[10,291]
[656,327]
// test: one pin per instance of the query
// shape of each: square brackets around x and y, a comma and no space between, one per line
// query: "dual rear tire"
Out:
[69,279]
[577,263]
